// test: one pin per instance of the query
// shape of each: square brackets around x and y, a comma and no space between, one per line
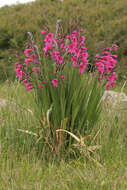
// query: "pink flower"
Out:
[40,86]
[19,73]
[71,48]
[62,77]
[106,53]
[44,82]
[45,54]
[27,61]
[43,31]
[29,86]
[82,38]
[63,47]
[15,64]
[85,61]
[60,59]
[82,30]
[49,36]
[112,83]
[25,81]
[108,48]
[74,64]
[55,82]
[106,64]
[75,33]
[27,46]
[77,52]
[115,56]
[68,37]
[107,86]
[55,55]
[27,51]
[35,69]
[84,49]
[115,47]
[74,40]
[84,55]
[74,61]
[82,68]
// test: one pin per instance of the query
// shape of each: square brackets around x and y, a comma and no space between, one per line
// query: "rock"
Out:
[4,103]
[115,99]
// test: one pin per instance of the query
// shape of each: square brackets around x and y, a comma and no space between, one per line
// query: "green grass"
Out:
[24,166]
[34,174]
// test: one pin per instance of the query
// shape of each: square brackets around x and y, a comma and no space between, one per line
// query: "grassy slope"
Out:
[104,21]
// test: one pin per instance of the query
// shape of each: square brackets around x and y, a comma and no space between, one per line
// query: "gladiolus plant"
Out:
[67,96]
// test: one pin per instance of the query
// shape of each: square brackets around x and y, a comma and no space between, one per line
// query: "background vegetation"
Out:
[105,22]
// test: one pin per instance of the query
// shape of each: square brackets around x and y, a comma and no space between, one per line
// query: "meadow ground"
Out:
[23,168]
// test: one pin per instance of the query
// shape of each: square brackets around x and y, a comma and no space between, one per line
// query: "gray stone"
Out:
[115,98]
[10,103]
